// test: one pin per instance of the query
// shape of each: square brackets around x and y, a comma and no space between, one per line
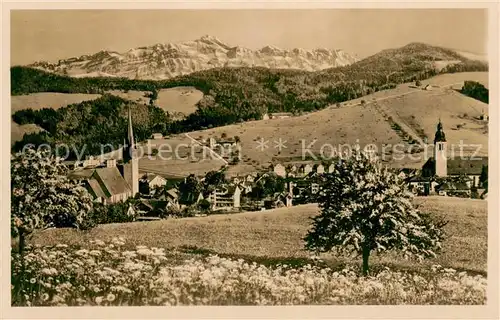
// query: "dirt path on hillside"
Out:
[405,128]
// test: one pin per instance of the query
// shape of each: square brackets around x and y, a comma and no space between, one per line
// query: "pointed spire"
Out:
[130,133]
[129,142]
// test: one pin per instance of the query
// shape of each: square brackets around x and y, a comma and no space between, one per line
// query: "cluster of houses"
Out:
[115,180]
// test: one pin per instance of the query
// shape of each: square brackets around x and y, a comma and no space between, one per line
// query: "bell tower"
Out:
[440,161]
[130,158]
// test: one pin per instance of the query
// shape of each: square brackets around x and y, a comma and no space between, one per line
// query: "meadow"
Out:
[253,258]
[38,101]
[177,100]
[275,236]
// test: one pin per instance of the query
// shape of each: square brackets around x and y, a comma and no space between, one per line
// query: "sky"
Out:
[50,35]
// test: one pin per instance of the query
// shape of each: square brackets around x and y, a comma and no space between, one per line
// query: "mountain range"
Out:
[165,61]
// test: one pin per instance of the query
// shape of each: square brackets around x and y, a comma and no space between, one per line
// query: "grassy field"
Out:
[458,113]
[180,101]
[178,155]
[38,101]
[275,236]
[132,95]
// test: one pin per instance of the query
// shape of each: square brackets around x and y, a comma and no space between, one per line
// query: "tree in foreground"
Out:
[366,207]
[42,196]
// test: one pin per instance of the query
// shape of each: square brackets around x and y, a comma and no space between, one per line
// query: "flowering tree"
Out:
[365,207]
[42,196]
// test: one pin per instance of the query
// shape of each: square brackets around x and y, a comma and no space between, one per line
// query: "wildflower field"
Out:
[107,274]
[245,259]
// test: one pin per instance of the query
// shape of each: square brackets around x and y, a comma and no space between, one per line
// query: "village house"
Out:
[154,181]
[89,162]
[226,198]
[171,197]
[319,168]
[298,169]
[454,189]
[305,169]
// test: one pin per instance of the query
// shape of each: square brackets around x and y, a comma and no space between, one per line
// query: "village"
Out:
[283,184]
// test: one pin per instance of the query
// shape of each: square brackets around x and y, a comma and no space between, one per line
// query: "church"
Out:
[459,174]
[113,181]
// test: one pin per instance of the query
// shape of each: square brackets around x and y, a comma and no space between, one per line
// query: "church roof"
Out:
[103,182]
[466,166]
[112,180]
[96,189]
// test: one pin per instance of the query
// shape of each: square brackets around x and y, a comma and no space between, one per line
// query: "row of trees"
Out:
[475,90]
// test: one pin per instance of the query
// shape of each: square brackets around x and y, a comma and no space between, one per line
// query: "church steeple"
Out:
[440,160]
[129,145]
[130,166]
[440,136]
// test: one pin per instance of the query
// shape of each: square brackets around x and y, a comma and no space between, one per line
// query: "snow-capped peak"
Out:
[163,61]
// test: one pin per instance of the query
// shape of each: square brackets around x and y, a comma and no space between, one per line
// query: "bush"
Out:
[112,213]
[204,205]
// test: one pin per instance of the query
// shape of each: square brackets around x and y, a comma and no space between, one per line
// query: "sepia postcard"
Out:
[229,156]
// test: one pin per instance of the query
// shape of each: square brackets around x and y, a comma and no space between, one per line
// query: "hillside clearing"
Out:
[132,95]
[179,101]
[37,101]
[276,235]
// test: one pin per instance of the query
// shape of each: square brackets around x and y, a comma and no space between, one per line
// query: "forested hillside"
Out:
[234,95]
[91,124]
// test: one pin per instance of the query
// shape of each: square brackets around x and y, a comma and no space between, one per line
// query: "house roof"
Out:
[112,180]
[149,177]
[166,175]
[173,193]
[146,203]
